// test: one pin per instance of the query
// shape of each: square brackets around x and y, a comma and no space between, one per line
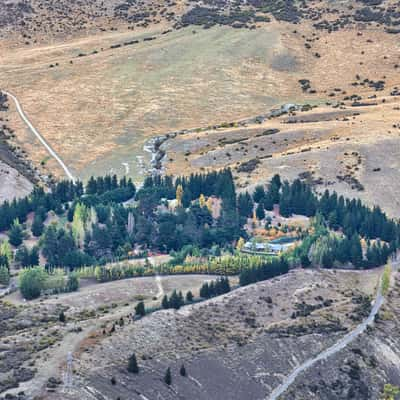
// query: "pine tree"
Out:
[189,296]
[37,226]
[4,275]
[305,261]
[260,213]
[245,205]
[133,365]
[140,309]
[356,255]
[15,236]
[165,302]
[182,370]
[205,291]
[259,194]
[181,299]
[175,300]
[168,377]
[61,317]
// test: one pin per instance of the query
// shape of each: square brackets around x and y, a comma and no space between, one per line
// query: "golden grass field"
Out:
[99,110]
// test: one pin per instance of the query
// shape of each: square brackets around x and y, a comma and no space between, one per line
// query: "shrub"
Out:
[32,282]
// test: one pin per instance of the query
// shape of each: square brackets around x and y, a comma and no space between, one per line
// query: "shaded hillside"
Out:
[240,345]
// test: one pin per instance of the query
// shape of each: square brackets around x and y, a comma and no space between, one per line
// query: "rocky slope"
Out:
[38,20]
[237,346]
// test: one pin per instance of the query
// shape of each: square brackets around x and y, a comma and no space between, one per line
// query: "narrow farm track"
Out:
[338,346]
[42,140]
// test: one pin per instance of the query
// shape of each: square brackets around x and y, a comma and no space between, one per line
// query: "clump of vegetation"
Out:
[32,282]
[390,392]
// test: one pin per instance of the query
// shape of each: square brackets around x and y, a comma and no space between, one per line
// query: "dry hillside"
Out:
[241,345]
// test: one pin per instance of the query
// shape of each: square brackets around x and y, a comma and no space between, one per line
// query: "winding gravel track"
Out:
[23,116]
[338,346]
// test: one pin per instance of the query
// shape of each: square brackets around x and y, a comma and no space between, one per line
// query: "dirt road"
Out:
[50,150]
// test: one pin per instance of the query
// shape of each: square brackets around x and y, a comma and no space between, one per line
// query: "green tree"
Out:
[61,317]
[165,302]
[6,251]
[182,370]
[72,283]
[260,213]
[168,377]
[140,309]
[37,226]
[245,205]
[133,365]
[259,194]
[305,261]
[189,296]
[15,235]
[205,291]
[4,275]
[26,257]
[78,223]
[176,300]
[32,282]
[356,255]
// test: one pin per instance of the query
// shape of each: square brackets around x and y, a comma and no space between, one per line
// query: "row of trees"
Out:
[326,248]
[215,288]
[33,281]
[101,229]
[350,216]
[98,190]
[266,270]
[39,201]
[101,232]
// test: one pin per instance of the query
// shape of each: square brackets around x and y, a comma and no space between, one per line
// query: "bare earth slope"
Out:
[240,345]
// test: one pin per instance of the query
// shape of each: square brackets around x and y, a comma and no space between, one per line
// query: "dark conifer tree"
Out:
[182,370]
[15,235]
[168,377]
[259,194]
[165,302]
[133,365]
[260,213]
[189,296]
[140,309]
[37,226]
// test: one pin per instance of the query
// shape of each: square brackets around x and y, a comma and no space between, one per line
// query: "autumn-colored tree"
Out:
[5,250]
[202,201]
[179,194]
[240,244]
